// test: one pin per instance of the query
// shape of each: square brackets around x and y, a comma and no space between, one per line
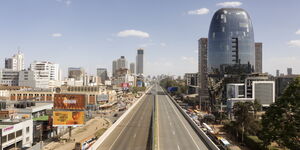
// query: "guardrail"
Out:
[198,130]
[110,129]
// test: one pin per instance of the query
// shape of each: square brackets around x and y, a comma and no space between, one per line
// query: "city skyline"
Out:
[98,35]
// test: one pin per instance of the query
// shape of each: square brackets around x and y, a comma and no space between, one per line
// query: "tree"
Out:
[256,107]
[242,115]
[281,122]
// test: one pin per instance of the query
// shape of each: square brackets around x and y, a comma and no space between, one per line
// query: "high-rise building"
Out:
[16,62]
[258,57]
[41,74]
[76,73]
[231,42]
[132,68]
[289,71]
[140,61]
[102,74]
[9,77]
[122,63]
[114,68]
[202,62]
[277,73]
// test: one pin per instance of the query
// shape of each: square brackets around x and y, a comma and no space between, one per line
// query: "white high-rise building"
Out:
[140,61]
[16,62]
[41,74]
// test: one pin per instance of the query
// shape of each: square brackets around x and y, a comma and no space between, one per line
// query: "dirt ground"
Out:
[79,133]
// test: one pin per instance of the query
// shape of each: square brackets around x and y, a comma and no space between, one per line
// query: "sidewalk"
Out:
[80,133]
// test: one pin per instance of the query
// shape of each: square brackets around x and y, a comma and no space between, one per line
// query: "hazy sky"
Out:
[92,33]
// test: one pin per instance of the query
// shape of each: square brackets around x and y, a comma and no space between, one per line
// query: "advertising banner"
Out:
[68,118]
[69,101]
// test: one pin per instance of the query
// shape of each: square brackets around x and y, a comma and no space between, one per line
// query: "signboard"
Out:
[139,83]
[8,128]
[102,97]
[69,101]
[124,85]
[172,89]
[68,118]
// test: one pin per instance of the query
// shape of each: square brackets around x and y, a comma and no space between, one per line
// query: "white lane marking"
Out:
[182,122]
[170,123]
[168,117]
[156,100]
[134,135]
[173,132]
[178,147]
[123,128]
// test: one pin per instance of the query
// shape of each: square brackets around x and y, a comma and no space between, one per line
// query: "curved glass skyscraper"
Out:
[231,42]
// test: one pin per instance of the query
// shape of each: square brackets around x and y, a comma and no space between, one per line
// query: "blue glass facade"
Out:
[231,42]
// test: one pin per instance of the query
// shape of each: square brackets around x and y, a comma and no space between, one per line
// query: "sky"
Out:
[93,33]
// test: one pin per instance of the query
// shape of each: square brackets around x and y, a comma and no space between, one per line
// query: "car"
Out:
[115,115]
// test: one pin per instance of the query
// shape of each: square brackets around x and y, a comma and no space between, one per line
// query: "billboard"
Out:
[69,101]
[172,89]
[139,83]
[68,118]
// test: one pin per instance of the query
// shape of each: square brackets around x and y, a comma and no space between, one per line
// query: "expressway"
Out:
[174,131]
[133,132]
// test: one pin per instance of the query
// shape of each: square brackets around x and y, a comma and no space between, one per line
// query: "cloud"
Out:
[294,43]
[298,32]
[56,35]
[230,4]
[189,60]
[67,2]
[201,11]
[134,33]
[163,44]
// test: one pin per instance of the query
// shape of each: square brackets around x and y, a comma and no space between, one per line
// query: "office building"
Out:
[264,92]
[191,80]
[289,71]
[277,73]
[102,74]
[9,77]
[122,63]
[16,62]
[140,61]
[235,90]
[114,68]
[41,74]
[76,73]
[16,134]
[231,42]
[258,57]
[202,62]
[132,68]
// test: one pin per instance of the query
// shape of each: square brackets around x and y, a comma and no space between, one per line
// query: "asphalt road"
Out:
[174,131]
[133,132]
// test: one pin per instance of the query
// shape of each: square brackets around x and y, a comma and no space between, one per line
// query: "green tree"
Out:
[281,122]
[243,117]
[256,107]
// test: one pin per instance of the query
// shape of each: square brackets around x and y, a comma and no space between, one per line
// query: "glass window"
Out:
[11,136]
[19,133]
[4,139]
[27,129]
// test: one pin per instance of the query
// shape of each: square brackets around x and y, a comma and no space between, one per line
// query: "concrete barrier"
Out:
[111,128]
[198,130]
